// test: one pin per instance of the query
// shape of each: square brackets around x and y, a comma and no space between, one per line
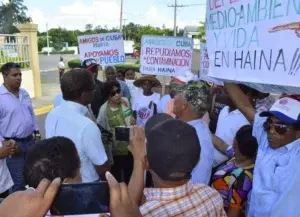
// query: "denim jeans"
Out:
[16,165]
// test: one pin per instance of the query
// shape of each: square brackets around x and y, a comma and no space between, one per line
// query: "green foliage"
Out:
[134,32]
[60,52]
[202,32]
[75,63]
[135,67]
[12,13]
[149,30]
[13,59]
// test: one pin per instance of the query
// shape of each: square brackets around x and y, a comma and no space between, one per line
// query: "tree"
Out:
[89,27]
[202,32]
[12,13]
[147,30]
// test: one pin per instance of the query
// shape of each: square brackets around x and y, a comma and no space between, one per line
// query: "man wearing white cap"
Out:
[276,188]
[166,103]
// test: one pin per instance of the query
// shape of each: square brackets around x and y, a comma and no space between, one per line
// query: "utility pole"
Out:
[124,24]
[48,48]
[121,16]
[175,6]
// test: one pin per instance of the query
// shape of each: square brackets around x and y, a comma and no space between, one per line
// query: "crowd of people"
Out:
[199,150]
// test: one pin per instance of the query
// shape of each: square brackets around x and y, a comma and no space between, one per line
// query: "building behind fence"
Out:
[22,48]
[14,48]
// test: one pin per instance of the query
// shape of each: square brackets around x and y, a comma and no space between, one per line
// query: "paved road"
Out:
[50,62]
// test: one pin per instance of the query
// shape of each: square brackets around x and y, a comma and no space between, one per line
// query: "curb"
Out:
[43,110]
[49,70]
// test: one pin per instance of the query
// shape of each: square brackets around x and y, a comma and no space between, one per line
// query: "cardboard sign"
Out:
[204,66]
[169,56]
[256,42]
[106,49]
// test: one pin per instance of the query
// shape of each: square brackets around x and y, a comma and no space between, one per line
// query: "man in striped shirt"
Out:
[173,150]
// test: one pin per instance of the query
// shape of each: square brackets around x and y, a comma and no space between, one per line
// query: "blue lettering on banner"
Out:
[114,37]
[112,60]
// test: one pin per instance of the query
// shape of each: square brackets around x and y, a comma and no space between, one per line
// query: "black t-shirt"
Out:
[99,98]
[221,101]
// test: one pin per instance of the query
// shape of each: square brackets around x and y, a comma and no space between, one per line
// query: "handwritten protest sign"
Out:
[204,66]
[106,49]
[255,41]
[169,56]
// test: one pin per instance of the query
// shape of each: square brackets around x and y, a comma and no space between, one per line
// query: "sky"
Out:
[75,14]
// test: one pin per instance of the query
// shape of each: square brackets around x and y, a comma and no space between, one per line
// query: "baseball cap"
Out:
[155,120]
[286,109]
[197,93]
[173,150]
[89,64]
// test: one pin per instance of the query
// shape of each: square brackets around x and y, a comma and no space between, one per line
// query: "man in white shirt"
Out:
[230,120]
[61,67]
[69,120]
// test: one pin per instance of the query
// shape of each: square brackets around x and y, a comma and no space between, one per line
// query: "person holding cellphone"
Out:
[114,113]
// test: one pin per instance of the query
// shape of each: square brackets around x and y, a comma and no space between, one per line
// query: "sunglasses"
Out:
[115,92]
[279,128]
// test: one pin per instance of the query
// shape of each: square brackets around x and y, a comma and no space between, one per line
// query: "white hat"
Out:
[186,77]
[286,109]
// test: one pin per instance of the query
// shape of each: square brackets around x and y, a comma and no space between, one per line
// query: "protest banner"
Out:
[106,49]
[204,66]
[255,41]
[169,56]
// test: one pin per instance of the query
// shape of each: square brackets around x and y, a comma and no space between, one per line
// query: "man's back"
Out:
[69,120]
[190,200]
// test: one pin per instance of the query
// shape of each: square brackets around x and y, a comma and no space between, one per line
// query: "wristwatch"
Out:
[37,134]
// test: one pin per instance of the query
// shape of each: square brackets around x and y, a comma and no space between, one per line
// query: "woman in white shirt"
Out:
[7,148]
[145,104]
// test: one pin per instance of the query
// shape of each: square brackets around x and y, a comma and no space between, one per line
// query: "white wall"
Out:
[27,82]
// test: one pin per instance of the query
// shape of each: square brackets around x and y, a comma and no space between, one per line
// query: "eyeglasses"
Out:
[279,128]
[115,92]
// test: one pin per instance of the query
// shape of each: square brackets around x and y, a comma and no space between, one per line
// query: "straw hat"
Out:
[139,82]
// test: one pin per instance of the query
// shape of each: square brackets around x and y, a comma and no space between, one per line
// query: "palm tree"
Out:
[12,13]
[202,32]
[89,27]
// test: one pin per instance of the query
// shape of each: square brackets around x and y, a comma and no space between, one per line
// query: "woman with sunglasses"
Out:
[233,179]
[276,189]
[114,113]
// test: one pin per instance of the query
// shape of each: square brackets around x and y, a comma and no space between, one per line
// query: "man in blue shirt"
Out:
[276,189]
[111,75]
[17,121]
[191,103]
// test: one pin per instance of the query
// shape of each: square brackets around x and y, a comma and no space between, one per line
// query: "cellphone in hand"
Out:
[122,134]
[80,199]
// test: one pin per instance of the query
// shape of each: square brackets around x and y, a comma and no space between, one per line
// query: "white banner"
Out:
[169,56]
[106,49]
[255,41]
[204,66]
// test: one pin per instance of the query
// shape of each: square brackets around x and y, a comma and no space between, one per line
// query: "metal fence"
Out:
[14,48]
